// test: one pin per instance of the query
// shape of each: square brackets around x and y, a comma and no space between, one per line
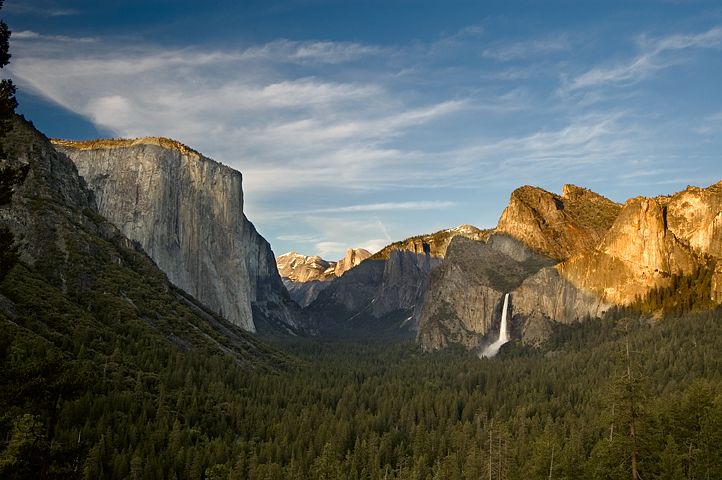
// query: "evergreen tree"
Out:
[9,176]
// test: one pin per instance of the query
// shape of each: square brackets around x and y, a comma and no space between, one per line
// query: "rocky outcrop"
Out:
[694,216]
[637,253]
[354,256]
[388,289]
[612,254]
[186,211]
[434,244]
[557,227]
[306,276]
[303,293]
[549,296]
[465,294]
[404,284]
[302,268]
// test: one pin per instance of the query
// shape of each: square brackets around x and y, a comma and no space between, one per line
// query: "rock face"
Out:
[651,239]
[186,211]
[303,293]
[549,296]
[354,256]
[384,293]
[375,296]
[557,227]
[302,268]
[79,279]
[610,254]
[434,244]
[305,276]
[637,253]
[465,294]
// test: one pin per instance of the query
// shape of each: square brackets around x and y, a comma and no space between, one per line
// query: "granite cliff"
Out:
[650,240]
[465,294]
[608,254]
[555,226]
[186,211]
[305,276]
[383,295]
[80,281]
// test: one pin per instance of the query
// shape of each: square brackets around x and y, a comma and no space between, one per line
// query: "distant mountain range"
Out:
[560,257]
[305,277]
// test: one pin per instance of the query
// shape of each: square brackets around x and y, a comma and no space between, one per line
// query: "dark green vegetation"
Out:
[88,325]
[685,293]
[138,405]
[591,209]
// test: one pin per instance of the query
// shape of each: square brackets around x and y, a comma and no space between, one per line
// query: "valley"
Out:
[146,328]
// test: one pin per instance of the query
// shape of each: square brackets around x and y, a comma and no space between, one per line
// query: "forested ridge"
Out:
[379,408]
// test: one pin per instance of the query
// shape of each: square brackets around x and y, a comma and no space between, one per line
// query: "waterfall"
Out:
[492,349]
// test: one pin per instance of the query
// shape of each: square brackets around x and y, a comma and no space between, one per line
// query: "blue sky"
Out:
[359,123]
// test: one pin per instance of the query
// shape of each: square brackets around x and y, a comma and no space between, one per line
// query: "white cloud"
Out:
[31,35]
[650,59]
[310,52]
[524,50]
[328,249]
[339,140]
[648,173]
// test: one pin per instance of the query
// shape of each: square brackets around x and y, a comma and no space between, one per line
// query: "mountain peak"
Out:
[557,226]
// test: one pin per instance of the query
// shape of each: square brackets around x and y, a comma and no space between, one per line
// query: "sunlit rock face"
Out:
[303,268]
[694,216]
[555,226]
[306,276]
[615,252]
[354,256]
[186,211]
[610,254]
[650,240]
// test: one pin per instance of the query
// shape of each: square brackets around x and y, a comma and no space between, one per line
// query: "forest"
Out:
[134,405]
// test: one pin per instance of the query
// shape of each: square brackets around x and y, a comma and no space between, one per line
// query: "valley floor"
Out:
[369,409]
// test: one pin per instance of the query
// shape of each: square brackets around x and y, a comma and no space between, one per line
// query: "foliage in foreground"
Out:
[381,409]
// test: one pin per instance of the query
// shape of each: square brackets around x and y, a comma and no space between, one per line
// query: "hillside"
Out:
[92,333]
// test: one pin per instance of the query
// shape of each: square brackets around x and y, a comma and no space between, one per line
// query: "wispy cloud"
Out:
[30,35]
[340,143]
[311,52]
[524,50]
[241,108]
[390,206]
[650,59]
[32,8]
[648,173]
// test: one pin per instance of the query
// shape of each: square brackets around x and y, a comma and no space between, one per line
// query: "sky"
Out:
[356,123]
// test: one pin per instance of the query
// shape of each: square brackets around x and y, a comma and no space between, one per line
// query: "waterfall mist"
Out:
[492,349]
